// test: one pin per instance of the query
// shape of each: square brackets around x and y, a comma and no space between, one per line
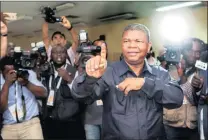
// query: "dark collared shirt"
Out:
[139,115]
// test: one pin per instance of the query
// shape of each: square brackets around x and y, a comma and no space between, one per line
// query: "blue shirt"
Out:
[30,100]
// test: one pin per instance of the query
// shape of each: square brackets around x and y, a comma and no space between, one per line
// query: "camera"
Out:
[42,64]
[49,15]
[86,48]
[23,60]
[172,54]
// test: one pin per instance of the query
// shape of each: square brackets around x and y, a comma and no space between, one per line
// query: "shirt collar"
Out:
[124,68]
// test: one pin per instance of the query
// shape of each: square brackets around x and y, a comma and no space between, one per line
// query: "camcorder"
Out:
[30,60]
[49,15]
[172,54]
[86,48]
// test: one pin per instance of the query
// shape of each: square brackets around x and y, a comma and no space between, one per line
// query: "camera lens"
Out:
[27,63]
[173,55]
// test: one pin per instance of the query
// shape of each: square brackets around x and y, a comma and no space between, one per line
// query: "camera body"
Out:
[42,64]
[49,15]
[173,54]
[24,60]
[86,48]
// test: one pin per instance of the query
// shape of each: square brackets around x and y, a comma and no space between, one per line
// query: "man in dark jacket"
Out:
[133,93]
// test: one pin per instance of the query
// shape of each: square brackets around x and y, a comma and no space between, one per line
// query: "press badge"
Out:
[50,101]
[99,102]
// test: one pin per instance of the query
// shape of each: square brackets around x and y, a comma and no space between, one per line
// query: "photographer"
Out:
[58,38]
[133,93]
[181,123]
[18,102]
[93,112]
[62,113]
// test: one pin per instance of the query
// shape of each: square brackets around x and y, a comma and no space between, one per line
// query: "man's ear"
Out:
[149,46]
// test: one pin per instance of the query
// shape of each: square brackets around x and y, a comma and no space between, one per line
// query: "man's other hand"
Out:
[130,84]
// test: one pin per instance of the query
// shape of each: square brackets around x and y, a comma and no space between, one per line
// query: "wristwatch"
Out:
[3,34]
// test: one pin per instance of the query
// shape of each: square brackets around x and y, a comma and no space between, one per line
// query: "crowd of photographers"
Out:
[59,92]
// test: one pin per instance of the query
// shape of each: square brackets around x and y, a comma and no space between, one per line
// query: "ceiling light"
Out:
[65,6]
[176,6]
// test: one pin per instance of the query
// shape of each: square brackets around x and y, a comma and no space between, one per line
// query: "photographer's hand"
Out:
[65,22]
[96,66]
[22,81]
[65,75]
[197,82]
[10,77]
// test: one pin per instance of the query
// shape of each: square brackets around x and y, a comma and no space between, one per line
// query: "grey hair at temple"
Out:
[139,27]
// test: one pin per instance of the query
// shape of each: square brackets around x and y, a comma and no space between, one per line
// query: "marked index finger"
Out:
[103,51]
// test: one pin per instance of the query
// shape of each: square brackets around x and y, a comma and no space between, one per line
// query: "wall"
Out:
[196,19]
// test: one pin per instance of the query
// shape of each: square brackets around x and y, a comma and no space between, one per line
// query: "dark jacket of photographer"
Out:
[138,115]
[65,108]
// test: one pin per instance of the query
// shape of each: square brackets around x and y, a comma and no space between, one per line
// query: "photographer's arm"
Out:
[38,91]
[45,35]
[4,97]
[75,39]
[35,86]
[67,24]
[4,31]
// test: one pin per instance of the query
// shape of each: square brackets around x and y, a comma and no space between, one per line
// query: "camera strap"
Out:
[20,112]
[52,92]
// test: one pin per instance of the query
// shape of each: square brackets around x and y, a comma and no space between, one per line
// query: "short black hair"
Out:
[188,43]
[57,33]
[105,45]
[6,60]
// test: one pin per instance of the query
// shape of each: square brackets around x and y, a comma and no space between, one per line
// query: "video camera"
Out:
[86,48]
[49,15]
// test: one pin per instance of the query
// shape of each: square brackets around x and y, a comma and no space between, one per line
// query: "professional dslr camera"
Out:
[172,54]
[42,64]
[86,48]
[49,15]
[23,60]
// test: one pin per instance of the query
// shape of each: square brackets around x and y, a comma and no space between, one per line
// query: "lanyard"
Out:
[23,103]
[59,82]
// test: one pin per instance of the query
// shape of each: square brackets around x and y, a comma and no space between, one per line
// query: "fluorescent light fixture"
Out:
[122,16]
[176,6]
[64,6]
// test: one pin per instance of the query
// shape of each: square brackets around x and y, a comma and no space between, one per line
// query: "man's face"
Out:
[58,55]
[135,46]
[58,40]
[192,54]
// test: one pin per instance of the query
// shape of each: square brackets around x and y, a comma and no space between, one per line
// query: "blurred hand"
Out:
[197,82]
[22,81]
[96,66]
[130,84]
[10,77]
[64,74]
[66,23]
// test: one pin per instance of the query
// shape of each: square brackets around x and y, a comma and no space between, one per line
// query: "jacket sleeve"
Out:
[164,90]
[88,89]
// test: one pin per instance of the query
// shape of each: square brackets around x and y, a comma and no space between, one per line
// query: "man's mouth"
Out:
[133,53]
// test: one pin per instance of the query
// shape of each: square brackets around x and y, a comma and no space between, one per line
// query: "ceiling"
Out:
[88,12]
